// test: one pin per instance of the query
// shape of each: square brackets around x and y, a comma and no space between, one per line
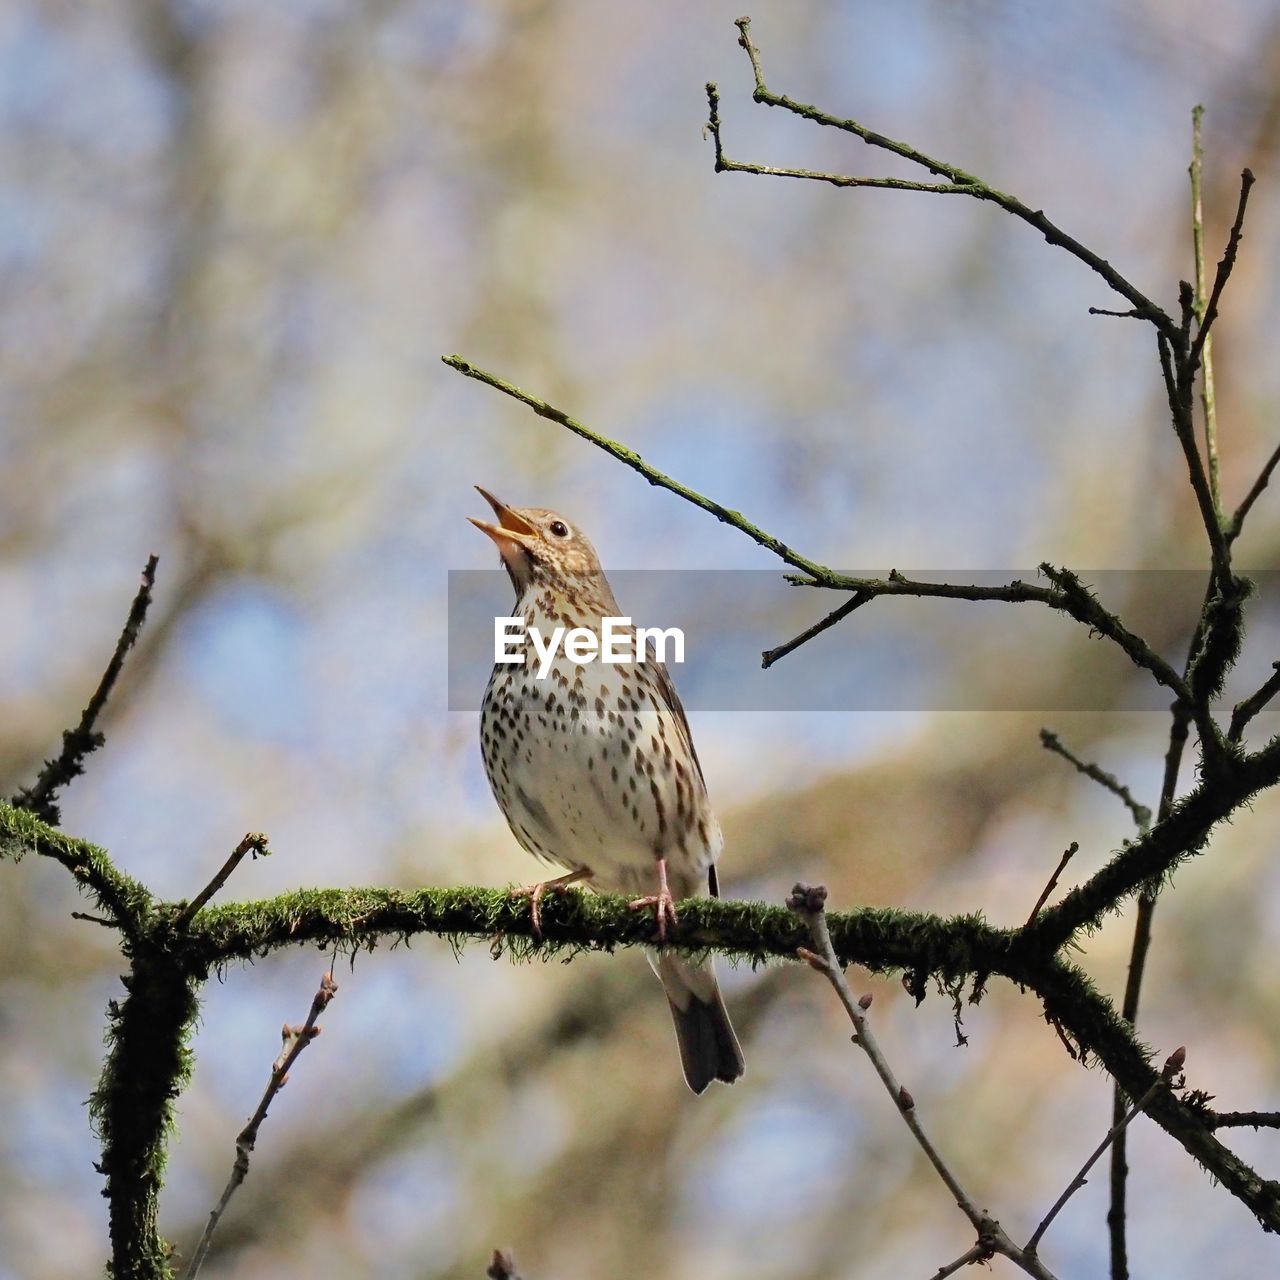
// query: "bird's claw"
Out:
[664,909]
[536,892]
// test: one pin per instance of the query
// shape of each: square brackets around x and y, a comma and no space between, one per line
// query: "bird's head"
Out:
[541,547]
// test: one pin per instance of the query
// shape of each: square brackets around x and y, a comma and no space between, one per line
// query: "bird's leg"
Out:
[662,901]
[536,892]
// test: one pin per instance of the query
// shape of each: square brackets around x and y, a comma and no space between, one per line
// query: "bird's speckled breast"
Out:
[593,771]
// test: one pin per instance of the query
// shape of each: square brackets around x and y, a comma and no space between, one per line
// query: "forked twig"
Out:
[295,1040]
[809,903]
[1171,1068]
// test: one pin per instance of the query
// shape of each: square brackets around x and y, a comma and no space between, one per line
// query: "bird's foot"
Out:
[663,903]
[536,892]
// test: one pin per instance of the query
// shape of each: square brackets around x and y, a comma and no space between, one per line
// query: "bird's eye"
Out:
[559,528]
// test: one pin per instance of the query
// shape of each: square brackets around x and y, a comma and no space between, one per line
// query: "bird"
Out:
[594,768]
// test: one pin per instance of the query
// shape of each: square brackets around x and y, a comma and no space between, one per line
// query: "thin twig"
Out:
[1067,594]
[855,601]
[295,1040]
[725,165]
[256,843]
[1207,399]
[1225,266]
[809,903]
[1243,1120]
[1143,920]
[1171,1069]
[1141,814]
[959,180]
[1179,377]
[41,797]
[1237,520]
[629,458]
[1245,710]
[979,1253]
[102,920]
[1070,852]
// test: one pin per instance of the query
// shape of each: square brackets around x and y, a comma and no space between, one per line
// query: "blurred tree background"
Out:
[235,239]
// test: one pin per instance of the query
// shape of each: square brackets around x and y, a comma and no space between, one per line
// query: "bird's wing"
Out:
[667,691]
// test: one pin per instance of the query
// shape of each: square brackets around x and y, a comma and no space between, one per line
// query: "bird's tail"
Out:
[709,1049]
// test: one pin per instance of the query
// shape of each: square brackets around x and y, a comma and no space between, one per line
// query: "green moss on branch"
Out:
[122,897]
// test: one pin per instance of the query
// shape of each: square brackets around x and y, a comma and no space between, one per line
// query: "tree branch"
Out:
[725,165]
[1180,835]
[1067,594]
[958,180]
[1223,274]
[1140,813]
[1243,1120]
[1171,1067]
[1068,853]
[629,458]
[256,843]
[1237,521]
[1245,710]
[1208,400]
[808,902]
[855,601]
[123,898]
[295,1040]
[41,797]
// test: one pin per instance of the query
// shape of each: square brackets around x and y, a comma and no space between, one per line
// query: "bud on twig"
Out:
[905,1100]
[864,1002]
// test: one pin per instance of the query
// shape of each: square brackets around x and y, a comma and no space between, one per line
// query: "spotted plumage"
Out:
[594,768]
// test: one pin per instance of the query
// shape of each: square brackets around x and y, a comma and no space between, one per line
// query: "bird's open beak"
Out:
[512,528]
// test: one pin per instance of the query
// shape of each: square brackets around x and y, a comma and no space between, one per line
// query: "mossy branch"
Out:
[925,947]
[127,901]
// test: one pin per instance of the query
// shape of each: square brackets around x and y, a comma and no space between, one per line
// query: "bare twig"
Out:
[1243,1120]
[629,458]
[295,1040]
[1070,852]
[102,920]
[956,180]
[1179,377]
[1067,594]
[41,797]
[1171,1069]
[1143,919]
[979,1253]
[1141,814]
[725,165]
[855,601]
[1237,521]
[1245,710]
[1225,266]
[809,903]
[1207,398]
[256,843]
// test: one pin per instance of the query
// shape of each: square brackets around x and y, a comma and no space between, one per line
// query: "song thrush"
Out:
[594,768]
